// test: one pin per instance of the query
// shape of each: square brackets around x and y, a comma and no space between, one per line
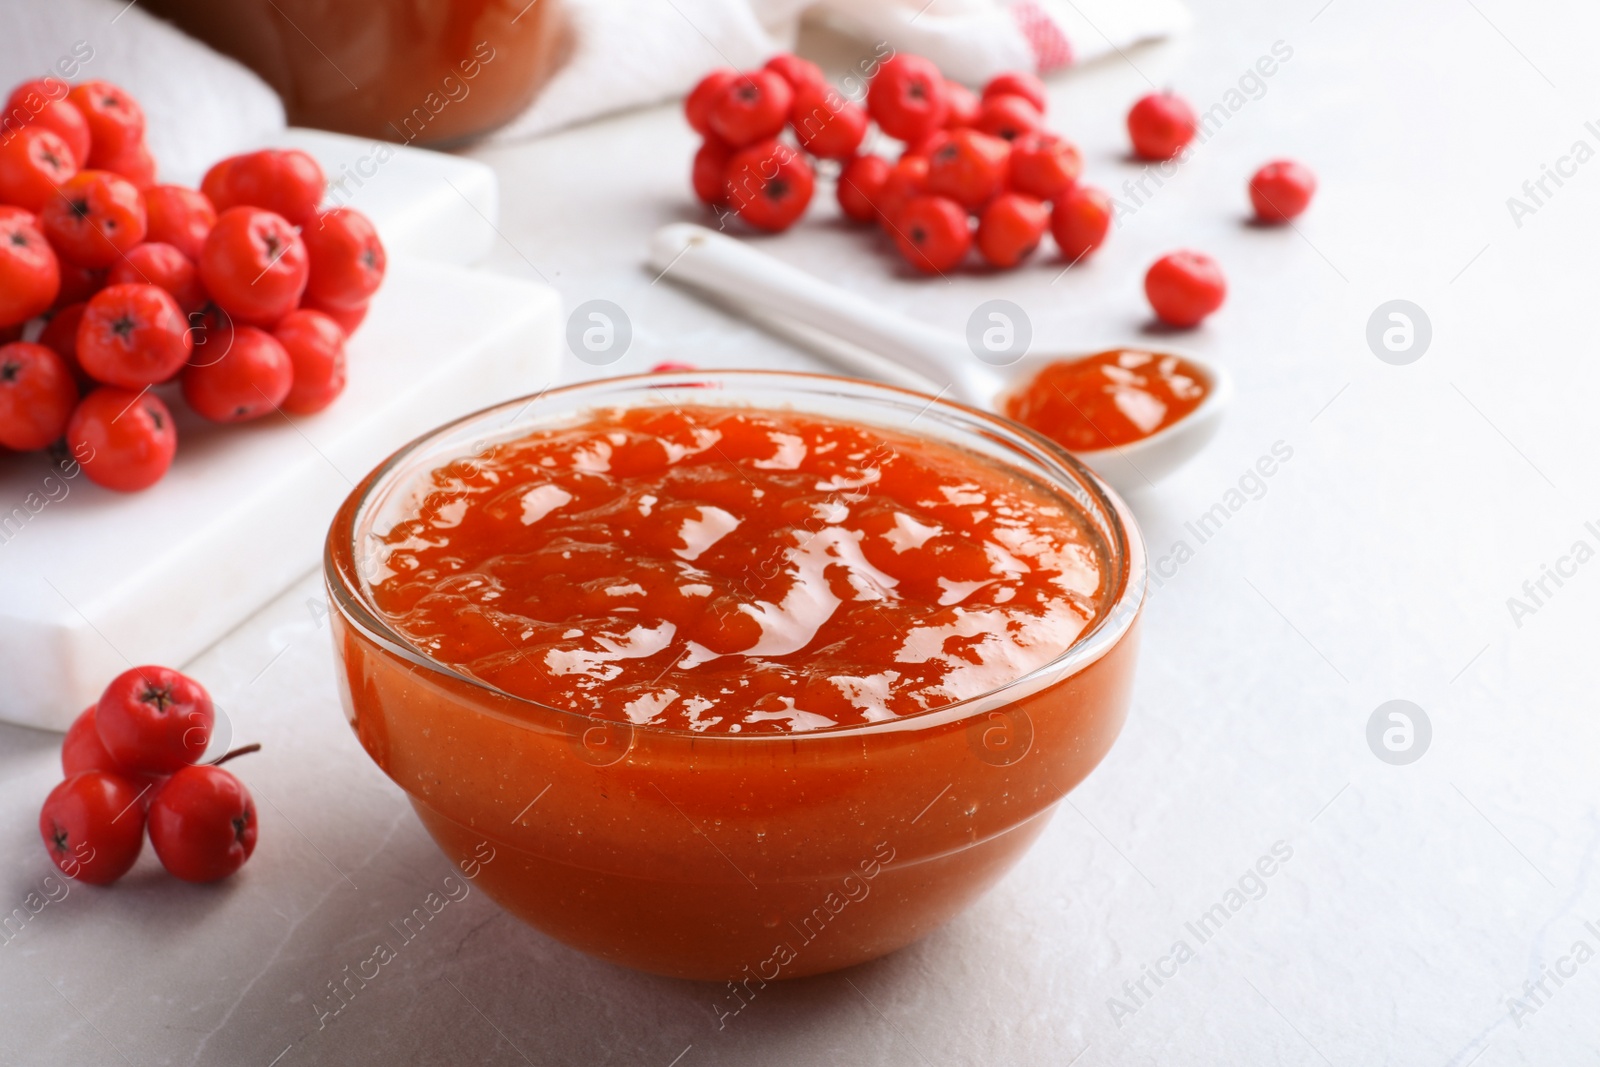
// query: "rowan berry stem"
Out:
[243,750]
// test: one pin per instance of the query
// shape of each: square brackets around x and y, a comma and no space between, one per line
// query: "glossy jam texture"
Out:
[733,570]
[1108,399]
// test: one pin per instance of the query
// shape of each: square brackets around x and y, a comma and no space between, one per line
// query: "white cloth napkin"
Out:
[626,53]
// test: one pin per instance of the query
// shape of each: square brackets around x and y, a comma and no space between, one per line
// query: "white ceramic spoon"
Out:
[862,337]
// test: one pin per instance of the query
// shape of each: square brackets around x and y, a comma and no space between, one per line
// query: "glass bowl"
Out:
[732,857]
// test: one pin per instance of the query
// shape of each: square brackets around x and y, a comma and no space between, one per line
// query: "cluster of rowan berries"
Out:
[118,294]
[977,170]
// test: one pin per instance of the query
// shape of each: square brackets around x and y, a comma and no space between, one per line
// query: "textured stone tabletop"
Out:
[1244,879]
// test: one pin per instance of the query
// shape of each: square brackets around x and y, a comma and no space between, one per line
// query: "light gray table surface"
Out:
[1376,564]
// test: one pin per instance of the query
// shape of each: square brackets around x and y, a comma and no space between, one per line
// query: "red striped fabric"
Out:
[1051,49]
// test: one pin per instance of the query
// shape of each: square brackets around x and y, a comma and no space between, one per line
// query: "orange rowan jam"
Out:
[1110,398]
[731,570]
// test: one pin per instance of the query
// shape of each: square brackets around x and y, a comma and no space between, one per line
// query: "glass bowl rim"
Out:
[1125,549]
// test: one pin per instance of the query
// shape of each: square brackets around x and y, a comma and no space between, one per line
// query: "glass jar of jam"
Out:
[428,72]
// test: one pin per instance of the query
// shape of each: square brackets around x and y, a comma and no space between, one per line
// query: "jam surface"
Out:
[732,570]
[1110,398]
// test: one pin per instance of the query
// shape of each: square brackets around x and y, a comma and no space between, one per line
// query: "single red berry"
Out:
[1010,227]
[203,824]
[284,181]
[1160,125]
[1018,83]
[1044,166]
[137,165]
[1184,288]
[908,178]
[37,395]
[60,335]
[116,122]
[254,265]
[154,719]
[248,381]
[95,217]
[93,826]
[751,108]
[82,750]
[697,104]
[907,97]
[211,330]
[78,284]
[825,123]
[1008,117]
[961,105]
[214,184]
[933,233]
[349,319]
[347,261]
[34,162]
[1080,220]
[315,345]
[709,175]
[1281,190]
[179,217]
[166,268]
[796,71]
[925,146]
[30,276]
[769,185]
[124,440]
[132,336]
[967,166]
[860,185]
[44,101]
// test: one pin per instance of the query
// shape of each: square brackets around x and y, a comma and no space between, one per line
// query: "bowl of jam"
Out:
[735,675]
